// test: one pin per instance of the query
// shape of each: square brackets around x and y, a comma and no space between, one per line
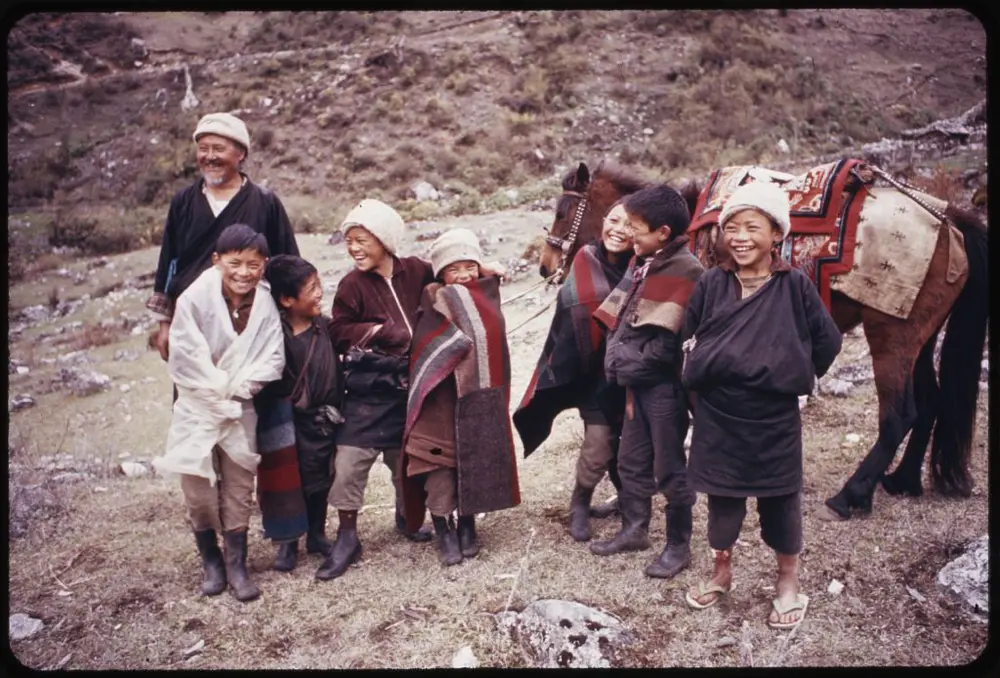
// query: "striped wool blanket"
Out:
[655,292]
[571,365]
[461,331]
[279,486]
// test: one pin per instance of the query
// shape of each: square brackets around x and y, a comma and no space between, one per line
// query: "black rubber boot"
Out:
[634,533]
[236,566]
[346,549]
[316,541]
[287,557]
[579,513]
[605,510]
[677,553]
[211,558]
[467,536]
[451,552]
[423,534]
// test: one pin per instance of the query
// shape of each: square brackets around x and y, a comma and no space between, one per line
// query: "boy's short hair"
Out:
[660,206]
[240,237]
[287,275]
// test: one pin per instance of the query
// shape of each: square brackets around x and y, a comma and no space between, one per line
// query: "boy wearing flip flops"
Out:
[756,334]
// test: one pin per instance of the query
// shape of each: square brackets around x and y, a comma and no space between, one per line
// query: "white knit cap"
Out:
[225,125]
[762,196]
[457,244]
[379,219]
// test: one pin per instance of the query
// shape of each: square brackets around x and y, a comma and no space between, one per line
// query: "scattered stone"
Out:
[835,387]
[194,649]
[464,659]
[648,131]
[21,402]
[23,369]
[855,373]
[783,146]
[835,588]
[423,190]
[79,278]
[512,194]
[336,238]
[916,595]
[852,439]
[125,355]
[35,314]
[133,469]
[100,489]
[565,634]
[148,380]
[22,627]
[967,578]
[124,388]
[428,235]
[803,401]
[614,119]
[83,382]
[726,641]
[984,374]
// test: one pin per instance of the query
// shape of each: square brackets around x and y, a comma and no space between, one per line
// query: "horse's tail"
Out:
[961,353]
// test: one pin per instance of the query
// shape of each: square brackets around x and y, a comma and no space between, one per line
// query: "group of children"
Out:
[413,365]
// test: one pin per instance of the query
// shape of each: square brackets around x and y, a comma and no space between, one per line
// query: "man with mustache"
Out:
[224,195]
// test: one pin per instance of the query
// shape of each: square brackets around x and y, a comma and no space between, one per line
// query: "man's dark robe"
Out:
[192,230]
[750,361]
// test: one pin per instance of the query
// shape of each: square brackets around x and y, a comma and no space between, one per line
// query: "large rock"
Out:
[968,577]
[21,626]
[835,387]
[565,634]
[83,382]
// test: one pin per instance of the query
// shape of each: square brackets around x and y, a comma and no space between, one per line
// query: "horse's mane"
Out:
[625,179]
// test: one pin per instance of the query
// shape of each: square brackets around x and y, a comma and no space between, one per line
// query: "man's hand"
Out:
[163,339]
[494,268]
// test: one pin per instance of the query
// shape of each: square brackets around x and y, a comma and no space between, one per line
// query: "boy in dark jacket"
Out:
[644,315]
[312,381]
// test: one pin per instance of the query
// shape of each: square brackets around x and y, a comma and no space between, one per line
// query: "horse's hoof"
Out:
[827,514]
[898,486]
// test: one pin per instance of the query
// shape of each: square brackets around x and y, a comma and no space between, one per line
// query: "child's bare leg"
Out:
[787,588]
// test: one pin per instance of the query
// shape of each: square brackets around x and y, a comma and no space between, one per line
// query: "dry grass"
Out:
[132,571]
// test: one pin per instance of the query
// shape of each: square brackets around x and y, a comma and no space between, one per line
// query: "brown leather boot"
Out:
[211,558]
[634,533]
[236,566]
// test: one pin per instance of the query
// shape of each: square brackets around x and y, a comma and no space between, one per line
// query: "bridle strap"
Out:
[565,244]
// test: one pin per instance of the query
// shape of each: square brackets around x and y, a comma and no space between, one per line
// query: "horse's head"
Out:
[580,212]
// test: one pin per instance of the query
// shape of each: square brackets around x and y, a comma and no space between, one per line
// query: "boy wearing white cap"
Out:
[223,196]
[374,311]
[458,451]
[756,334]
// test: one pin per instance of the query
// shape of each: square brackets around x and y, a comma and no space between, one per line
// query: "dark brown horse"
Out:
[902,351]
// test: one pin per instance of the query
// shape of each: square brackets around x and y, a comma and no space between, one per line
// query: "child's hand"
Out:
[494,268]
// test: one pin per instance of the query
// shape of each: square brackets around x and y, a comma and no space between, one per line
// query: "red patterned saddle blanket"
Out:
[825,209]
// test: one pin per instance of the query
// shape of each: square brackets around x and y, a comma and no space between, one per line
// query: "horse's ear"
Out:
[582,176]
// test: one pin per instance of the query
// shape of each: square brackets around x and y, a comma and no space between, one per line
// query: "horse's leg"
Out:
[906,478]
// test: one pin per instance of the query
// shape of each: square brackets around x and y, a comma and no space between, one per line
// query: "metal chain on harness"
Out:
[565,244]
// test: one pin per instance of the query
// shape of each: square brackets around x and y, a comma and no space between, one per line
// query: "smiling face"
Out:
[241,271]
[366,250]
[219,159]
[749,236]
[615,233]
[644,241]
[460,272]
[309,302]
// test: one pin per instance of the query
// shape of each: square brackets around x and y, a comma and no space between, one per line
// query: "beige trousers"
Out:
[440,488]
[596,454]
[350,475]
[227,505]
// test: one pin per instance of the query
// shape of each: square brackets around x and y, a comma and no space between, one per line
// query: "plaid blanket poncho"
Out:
[279,485]
[461,332]
[571,362]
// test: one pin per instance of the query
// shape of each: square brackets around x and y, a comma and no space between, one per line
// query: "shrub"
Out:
[264,138]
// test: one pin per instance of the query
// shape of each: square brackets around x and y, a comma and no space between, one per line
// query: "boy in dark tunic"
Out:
[756,335]
[313,383]
[644,315]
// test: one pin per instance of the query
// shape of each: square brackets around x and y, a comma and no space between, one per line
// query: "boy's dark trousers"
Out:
[651,459]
